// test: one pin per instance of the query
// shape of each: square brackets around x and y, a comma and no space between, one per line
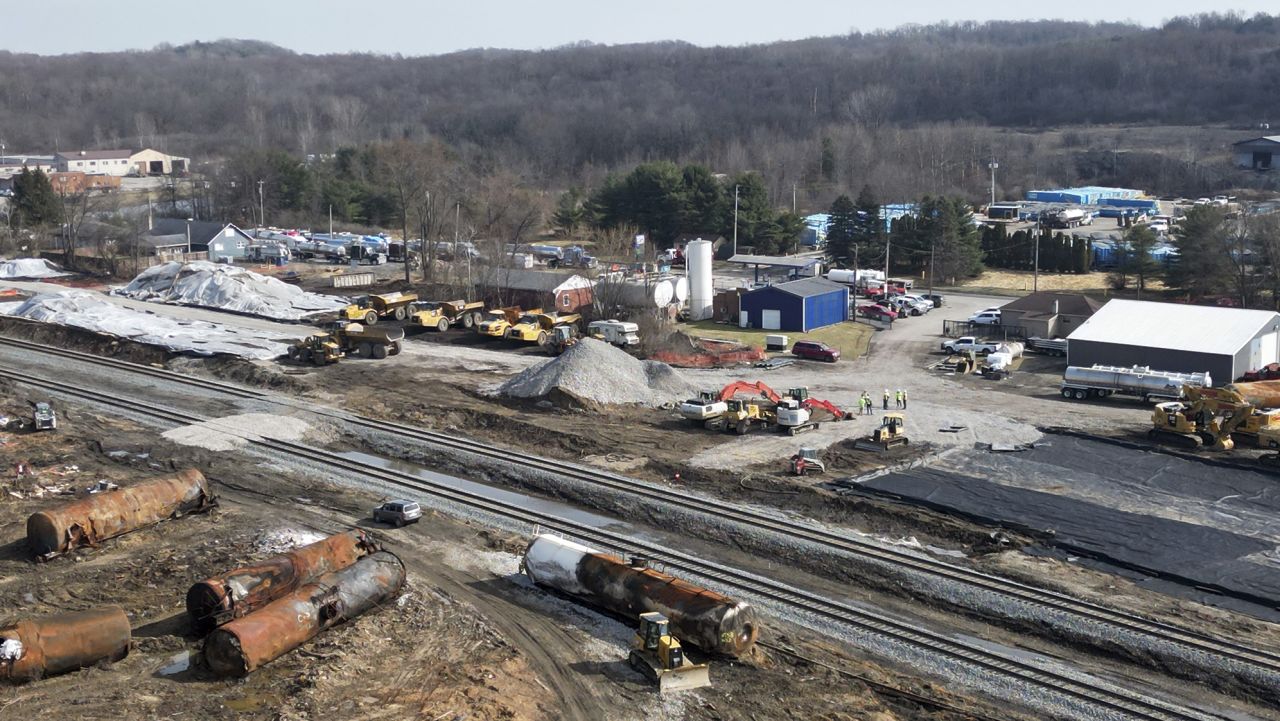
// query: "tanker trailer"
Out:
[241,591]
[707,619]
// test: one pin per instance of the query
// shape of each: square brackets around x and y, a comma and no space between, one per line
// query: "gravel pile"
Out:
[226,287]
[595,372]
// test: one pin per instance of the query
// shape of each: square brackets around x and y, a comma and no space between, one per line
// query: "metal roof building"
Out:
[1225,342]
[1257,153]
[798,305]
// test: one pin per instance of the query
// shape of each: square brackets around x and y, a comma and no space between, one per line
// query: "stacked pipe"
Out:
[264,635]
[241,591]
[34,648]
[707,619]
[98,517]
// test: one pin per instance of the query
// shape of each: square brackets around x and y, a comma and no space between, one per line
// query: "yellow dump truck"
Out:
[498,320]
[441,314]
[536,327]
[369,308]
[346,338]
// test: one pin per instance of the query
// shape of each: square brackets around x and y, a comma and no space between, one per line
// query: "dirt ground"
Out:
[466,639]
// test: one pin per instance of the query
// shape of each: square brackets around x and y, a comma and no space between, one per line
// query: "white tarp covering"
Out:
[90,311]
[21,268]
[226,287]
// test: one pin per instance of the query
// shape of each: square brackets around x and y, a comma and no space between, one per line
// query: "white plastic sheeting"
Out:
[226,287]
[21,268]
[92,312]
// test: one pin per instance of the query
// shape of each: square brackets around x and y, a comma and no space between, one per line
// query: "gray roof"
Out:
[1068,304]
[166,241]
[808,287]
[777,261]
[1275,139]
[521,279]
[1175,326]
[202,231]
[97,155]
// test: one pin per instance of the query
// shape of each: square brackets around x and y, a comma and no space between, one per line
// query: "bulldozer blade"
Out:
[869,445]
[684,678]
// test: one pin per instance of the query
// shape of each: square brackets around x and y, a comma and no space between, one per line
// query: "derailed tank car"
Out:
[241,591]
[707,619]
[100,516]
[35,648]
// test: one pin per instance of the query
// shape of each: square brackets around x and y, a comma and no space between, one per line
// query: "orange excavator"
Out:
[800,395]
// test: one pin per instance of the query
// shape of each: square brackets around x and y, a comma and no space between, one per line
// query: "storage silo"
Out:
[697,256]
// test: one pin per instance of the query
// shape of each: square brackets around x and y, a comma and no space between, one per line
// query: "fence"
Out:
[958,328]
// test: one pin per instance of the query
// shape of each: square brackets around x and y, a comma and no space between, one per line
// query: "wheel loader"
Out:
[345,338]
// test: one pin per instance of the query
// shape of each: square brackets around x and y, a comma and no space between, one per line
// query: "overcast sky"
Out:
[427,27]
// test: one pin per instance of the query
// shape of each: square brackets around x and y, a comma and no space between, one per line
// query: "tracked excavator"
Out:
[1208,418]
[792,413]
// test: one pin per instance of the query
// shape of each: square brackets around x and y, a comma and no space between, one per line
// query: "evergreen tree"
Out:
[1203,266]
[841,230]
[706,204]
[868,233]
[754,214]
[1081,254]
[946,230]
[568,214]
[783,233]
[1136,260]
[34,202]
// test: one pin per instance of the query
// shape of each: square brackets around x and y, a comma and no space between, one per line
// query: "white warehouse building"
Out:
[1225,342]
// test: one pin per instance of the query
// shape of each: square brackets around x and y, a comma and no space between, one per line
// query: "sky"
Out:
[428,27]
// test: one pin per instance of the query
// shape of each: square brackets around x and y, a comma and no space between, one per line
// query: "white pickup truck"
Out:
[969,343]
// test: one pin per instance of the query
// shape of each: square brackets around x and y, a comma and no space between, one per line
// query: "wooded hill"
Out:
[569,114]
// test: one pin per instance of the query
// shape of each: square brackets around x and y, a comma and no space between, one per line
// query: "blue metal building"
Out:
[799,305]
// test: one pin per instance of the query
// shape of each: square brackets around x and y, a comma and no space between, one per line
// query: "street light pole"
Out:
[188,237]
[735,220]
[262,204]
[992,165]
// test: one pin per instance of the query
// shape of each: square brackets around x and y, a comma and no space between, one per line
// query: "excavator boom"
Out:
[758,388]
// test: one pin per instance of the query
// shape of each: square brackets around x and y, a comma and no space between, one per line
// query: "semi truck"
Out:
[1100,381]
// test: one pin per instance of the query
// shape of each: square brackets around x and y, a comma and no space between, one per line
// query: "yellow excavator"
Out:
[658,655]
[1208,418]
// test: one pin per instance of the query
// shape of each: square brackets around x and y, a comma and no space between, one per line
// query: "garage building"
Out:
[799,305]
[1225,342]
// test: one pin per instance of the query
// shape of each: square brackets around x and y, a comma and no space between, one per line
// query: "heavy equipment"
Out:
[342,338]
[740,416]
[562,338]
[792,413]
[1210,417]
[536,327]
[498,320]
[891,433]
[658,655]
[369,308]
[807,460]
[440,314]
[43,418]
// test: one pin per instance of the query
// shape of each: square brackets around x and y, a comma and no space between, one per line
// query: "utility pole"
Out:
[1035,277]
[735,220]
[262,204]
[932,244]
[331,220]
[992,165]
[188,237]
[888,241]
[793,198]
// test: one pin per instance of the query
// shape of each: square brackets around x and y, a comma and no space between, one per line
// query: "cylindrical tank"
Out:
[40,647]
[1261,394]
[1012,347]
[249,642]
[680,285]
[1136,378]
[108,514]
[709,620]
[697,256]
[654,294]
[237,593]
[837,275]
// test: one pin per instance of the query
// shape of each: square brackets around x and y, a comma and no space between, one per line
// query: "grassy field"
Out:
[1020,282]
[852,339]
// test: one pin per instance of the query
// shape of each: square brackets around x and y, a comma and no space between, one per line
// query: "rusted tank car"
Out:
[249,642]
[39,647]
[100,516]
[709,620]
[237,593]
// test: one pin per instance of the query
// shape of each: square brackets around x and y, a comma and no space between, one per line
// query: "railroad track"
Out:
[1067,688]
[1168,633]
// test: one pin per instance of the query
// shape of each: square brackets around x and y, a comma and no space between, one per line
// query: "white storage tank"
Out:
[697,256]
[681,287]
[655,293]
[848,277]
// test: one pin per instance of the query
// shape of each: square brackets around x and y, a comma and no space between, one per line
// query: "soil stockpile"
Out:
[226,287]
[595,372]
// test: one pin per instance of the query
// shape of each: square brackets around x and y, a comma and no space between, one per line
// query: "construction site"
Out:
[227,495]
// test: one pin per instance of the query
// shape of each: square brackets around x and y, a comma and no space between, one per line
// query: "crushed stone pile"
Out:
[226,287]
[596,372]
[93,312]
[24,268]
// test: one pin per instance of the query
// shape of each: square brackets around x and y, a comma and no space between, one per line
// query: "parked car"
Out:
[397,512]
[969,343]
[986,317]
[908,306]
[877,311]
[937,300]
[920,300]
[815,350]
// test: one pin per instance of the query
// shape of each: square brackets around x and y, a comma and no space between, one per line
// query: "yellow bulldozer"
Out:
[891,433]
[658,655]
